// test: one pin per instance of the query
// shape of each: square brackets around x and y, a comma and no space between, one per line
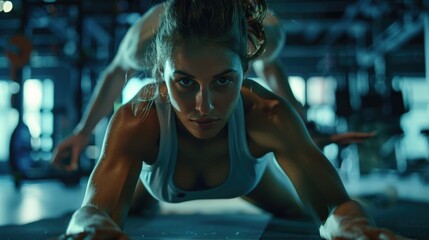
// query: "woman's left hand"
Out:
[342,228]
[93,233]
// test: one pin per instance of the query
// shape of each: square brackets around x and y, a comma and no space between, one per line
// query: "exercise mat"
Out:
[407,218]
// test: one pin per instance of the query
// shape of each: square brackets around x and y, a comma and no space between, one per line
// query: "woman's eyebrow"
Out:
[225,72]
[183,73]
[215,76]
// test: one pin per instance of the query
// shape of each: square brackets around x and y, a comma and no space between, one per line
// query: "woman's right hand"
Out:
[96,233]
[70,148]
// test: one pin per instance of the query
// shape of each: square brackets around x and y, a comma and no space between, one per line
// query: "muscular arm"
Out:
[128,142]
[274,126]
[107,198]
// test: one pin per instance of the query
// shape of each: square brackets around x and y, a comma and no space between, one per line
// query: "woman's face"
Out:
[203,82]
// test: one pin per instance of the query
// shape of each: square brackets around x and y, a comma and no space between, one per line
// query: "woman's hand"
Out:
[341,228]
[349,221]
[96,233]
[70,148]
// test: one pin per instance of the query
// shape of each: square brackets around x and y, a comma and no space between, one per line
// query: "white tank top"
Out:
[244,173]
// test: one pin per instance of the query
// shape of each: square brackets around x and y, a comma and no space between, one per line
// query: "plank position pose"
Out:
[131,58]
[202,131]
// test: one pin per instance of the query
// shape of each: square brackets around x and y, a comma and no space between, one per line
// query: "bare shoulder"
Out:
[271,122]
[261,105]
[134,127]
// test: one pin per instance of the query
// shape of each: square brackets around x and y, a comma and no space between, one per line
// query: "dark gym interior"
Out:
[355,65]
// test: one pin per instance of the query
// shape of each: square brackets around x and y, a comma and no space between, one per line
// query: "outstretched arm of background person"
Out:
[268,66]
[101,103]
[323,139]
[128,59]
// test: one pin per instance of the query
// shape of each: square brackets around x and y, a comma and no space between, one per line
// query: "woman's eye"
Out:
[186,82]
[223,81]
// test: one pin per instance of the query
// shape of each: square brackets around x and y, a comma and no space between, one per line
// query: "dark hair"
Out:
[223,22]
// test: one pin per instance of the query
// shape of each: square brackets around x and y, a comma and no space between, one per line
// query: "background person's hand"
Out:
[323,139]
[66,154]
[350,137]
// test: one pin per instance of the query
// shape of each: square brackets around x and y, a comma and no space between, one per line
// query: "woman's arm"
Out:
[273,124]
[111,185]
[314,178]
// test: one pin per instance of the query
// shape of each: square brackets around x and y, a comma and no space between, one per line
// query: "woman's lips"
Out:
[204,123]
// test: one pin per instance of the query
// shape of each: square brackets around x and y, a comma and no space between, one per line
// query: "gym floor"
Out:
[47,199]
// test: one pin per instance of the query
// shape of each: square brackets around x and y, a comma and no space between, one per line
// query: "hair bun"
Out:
[256,38]
[255,14]
[255,9]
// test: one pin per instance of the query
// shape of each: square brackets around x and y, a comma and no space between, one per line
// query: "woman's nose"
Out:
[204,104]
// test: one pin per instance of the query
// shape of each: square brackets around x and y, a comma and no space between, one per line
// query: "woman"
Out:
[202,131]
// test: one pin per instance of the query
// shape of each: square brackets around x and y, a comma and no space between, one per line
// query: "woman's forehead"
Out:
[197,54]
